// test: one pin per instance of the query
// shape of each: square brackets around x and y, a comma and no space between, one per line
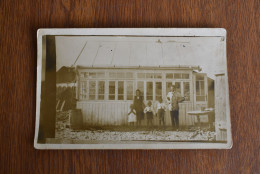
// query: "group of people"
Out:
[138,110]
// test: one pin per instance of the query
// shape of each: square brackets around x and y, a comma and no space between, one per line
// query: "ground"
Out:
[128,133]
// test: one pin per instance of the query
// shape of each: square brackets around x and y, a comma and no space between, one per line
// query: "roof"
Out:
[133,52]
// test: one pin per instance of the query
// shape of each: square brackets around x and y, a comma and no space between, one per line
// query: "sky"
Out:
[206,52]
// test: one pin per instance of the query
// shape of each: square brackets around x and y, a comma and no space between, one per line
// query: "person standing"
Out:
[131,115]
[161,108]
[149,113]
[139,107]
[174,98]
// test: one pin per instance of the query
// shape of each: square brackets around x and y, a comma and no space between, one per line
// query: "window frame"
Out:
[133,77]
[205,86]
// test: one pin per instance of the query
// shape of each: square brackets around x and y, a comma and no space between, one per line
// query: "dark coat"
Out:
[139,104]
[139,107]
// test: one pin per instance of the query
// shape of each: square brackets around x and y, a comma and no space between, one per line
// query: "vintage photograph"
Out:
[132,89]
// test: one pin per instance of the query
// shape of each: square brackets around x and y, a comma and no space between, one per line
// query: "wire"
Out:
[79,54]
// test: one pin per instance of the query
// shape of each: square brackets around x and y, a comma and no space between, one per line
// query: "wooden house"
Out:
[110,69]
[105,93]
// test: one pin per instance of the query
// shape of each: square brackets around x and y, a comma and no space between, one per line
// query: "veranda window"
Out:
[130,90]
[140,86]
[121,75]
[112,90]
[181,76]
[169,76]
[83,91]
[168,87]
[101,90]
[149,90]
[186,88]
[200,88]
[178,87]
[120,93]
[158,90]
[92,90]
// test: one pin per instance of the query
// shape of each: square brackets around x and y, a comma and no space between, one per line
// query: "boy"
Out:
[161,108]
[149,113]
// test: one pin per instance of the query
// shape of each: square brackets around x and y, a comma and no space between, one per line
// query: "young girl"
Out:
[149,113]
[131,115]
[160,111]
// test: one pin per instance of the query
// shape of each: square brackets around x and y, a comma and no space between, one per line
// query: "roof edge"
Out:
[140,67]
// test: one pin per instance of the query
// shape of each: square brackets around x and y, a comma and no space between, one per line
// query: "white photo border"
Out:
[155,32]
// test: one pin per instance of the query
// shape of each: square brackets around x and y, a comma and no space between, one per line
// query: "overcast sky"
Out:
[206,52]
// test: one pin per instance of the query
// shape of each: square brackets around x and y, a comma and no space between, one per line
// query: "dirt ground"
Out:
[129,133]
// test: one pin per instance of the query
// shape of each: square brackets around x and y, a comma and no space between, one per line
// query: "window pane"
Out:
[129,90]
[101,90]
[149,90]
[112,87]
[112,75]
[84,75]
[177,75]
[92,90]
[186,90]
[168,87]
[158,75]
[83,91]
[197,88]
[121,75]
[169,76]
[100,75]
[200,98]
[129,75]
[202,90]
[140,86]
[141,75]
[92,75]
[120,90]
[199,77]
[158,90]
[149,75]
[178,86]
[185,76]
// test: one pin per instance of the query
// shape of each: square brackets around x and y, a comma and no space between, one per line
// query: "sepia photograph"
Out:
[132,89]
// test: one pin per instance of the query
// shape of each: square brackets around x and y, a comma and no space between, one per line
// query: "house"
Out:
[109,72]
[105,93]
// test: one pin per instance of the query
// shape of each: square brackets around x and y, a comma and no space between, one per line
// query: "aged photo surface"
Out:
[160,89]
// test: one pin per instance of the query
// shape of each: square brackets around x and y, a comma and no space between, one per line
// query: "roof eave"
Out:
[141,67]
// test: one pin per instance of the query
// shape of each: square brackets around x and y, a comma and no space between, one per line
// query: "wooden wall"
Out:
[115,113]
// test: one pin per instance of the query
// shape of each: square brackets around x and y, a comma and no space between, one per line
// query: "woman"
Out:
[139,107]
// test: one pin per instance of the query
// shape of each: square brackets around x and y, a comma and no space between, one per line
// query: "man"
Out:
[174,98]
[139,107]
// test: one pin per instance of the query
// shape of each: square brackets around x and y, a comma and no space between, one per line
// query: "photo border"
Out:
[154,32]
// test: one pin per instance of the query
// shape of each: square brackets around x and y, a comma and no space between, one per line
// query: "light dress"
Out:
[131,115]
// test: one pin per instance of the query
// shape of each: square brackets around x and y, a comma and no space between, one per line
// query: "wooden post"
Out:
[220,107]
[48,93]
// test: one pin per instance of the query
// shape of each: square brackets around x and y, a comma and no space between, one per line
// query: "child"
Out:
[160,111]
[149,113]
[131,115]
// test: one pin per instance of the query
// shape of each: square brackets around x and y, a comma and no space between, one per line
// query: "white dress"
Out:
[131,116]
